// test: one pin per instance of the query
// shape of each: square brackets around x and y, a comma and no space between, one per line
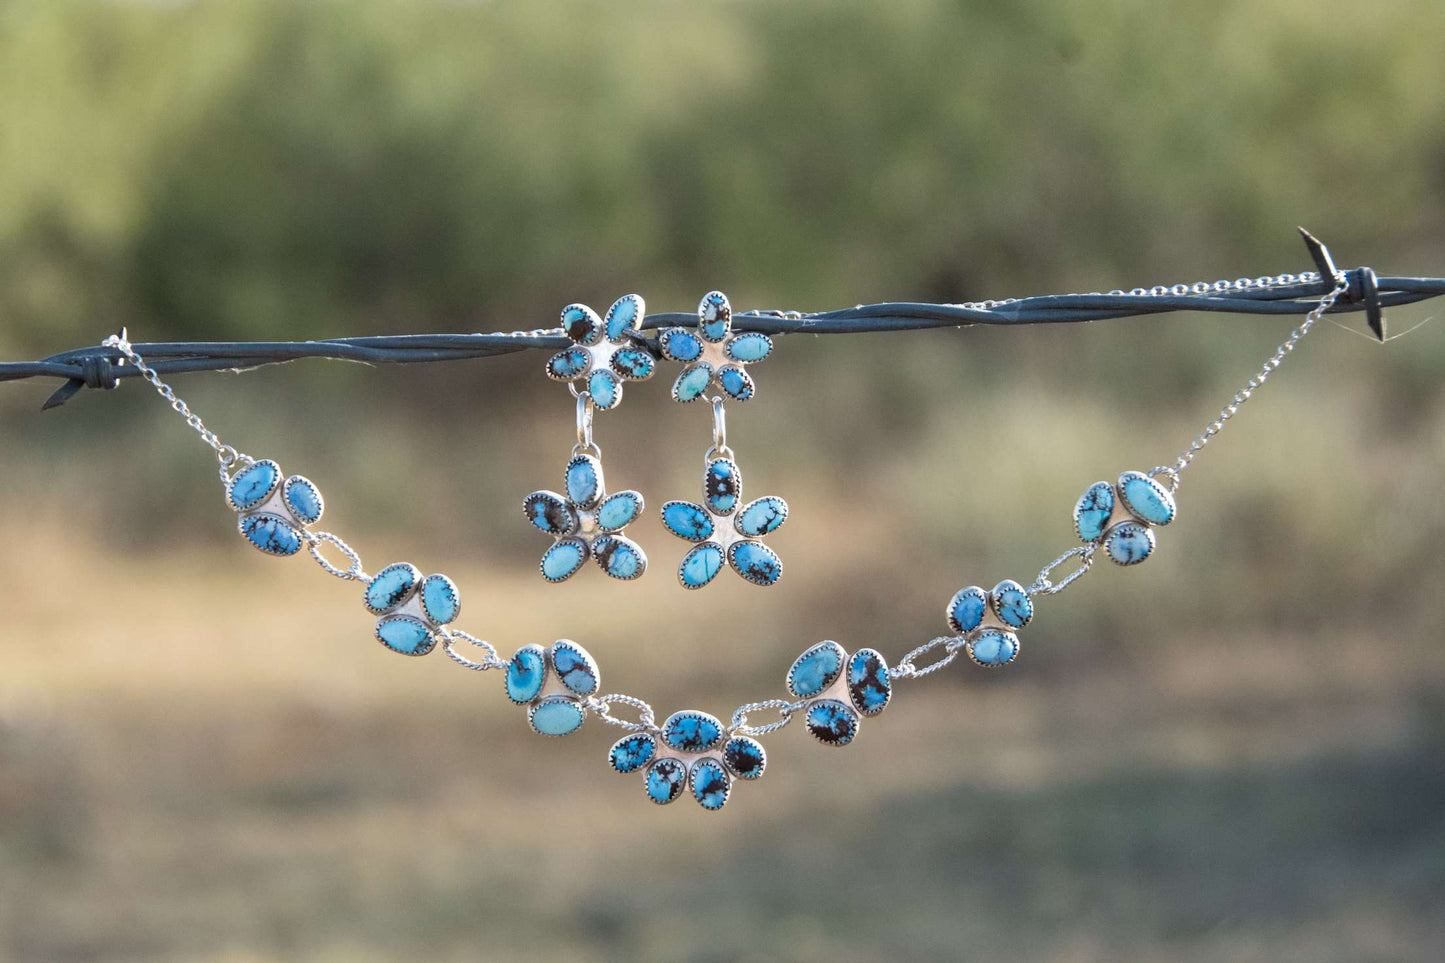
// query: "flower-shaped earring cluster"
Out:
[273,514]
[690,749]
[586,522]
[1122,516]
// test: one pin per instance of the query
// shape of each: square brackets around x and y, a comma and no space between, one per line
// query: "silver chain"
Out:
[227,456]
[602,705]
[490,659]
[784,708]
[1242,395]
[352,573]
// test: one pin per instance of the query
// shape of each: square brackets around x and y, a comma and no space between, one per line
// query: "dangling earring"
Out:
[722,526]
[586,521]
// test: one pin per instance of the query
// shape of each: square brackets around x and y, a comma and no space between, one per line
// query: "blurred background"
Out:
[1234,752]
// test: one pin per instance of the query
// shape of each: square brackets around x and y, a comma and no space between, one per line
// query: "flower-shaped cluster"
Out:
[587,522]
[726,529]
[603,354]
[986,621]
[712,353]
[273,513]
[553,684]
[412,609]
[1123,515]
[839,690]
[691,748]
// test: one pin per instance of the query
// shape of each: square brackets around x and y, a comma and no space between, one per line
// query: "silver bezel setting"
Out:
[979,632]
[541,686]
[456,594]
[246,518]
[416,580]
[833,678]
[726,777]
[611,760]
[722,731]
[681,785]
[291,482]
[887,682]
[847,707]
[953,622]
[1114,495]
[1139,524]
[556,699]
[996,607]
[260,503]
[550,664]
[762,752]
[426,646]
[1165,495]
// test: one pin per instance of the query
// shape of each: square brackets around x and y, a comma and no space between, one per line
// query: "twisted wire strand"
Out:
[103,367]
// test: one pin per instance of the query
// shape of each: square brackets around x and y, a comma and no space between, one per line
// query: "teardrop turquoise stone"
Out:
[1146,498]
[556,716]
[581,324]
[686,520]
[604,389]
[1092,512]
[254,485]
[710,784]
[736,382]
[575,667]
[762,516]
[271,535]
[525,673]
[816,669]
[391,587]
[403,634]
[722,486]
[619,557]
[756,562]
[701,565]
[1012,604]
[440,599]
[631,753]
[750,347]
[303,499]
[568,364]
[624,315]
[665,779]
[563,559]
[745,757]
[549,513]
[965,612]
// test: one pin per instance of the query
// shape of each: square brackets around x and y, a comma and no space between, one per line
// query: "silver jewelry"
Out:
[692,750]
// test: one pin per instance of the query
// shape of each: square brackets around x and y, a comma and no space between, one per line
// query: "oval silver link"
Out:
[353,573]
[586,409]
[905,669]
[602,705]
[1044,585]
[785,715]
[491,660]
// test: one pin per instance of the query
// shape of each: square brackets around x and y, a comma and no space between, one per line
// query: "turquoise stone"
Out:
[303,499]
[604,388]
[692,731]
[762,516]
[634,364]
[832,722]
[271,534]
[404,634]
[816,669]
[994,647]
[714,316]
[440,599]
[575,668]
[1092,512]
[965,611]
[755,562]
[736,382]
[722,486]
[744,757]
[584,481]
[624,316]
[710,784]
[693,382]
[701,565]
[253,485]
[750,347]
[679,344]
[619,557]
[568,363]
[1146,499]
[869,687]
[391,587]
[619,510]
[563,559]
[665,780]
[555,716]
[689,521]
[581,324]
[1129,543]
[631,753]
[1012,604]
[526,672]
[549,513]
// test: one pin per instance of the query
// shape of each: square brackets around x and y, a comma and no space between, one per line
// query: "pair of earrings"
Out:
[585,521]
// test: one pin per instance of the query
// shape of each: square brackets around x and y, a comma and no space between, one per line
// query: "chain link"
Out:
[602,705]
[1044,585]
[352,573]
[1241,396]
[784,708]
[490,659]
[1175,290]
[905,669]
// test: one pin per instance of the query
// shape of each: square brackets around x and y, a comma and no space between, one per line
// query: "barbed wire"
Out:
[102,367]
